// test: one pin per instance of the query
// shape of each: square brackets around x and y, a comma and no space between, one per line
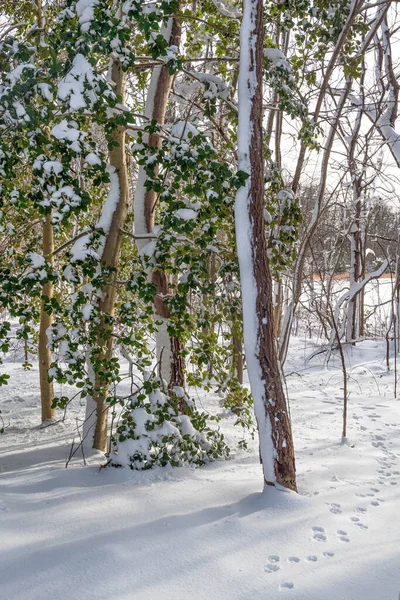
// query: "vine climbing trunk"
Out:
[169,348]
[276,442]
[95,427]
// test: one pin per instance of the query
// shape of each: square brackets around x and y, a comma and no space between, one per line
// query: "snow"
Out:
[181,130]
[52,166]
[78,88]
[216,86]
[82,246]
[67,132]
[37,261]
[92,159]
[391,137]
[87,310]
[85,12]
[186,214]
[111,202]
[45,90]
[81,249]
[277,57]
[211,532]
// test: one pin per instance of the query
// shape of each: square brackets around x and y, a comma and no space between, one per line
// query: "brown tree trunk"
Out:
[278,301]
[46,387]
[238,357]
[276,442]
[169,350]
[110,258]
[44,354]
[177,366]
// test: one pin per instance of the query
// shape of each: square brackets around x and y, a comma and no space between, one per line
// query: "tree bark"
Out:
[97,409]
[44,354]
[276,442]
[238,356]
[278,302]
[46,387]
[169,349]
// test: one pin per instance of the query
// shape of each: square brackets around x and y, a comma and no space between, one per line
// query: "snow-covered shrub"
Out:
[159,429]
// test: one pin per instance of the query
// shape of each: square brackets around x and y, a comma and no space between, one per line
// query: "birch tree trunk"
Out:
[276,443]
[95,426]
[168,348]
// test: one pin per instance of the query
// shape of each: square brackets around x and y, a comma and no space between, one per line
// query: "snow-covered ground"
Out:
[210,533]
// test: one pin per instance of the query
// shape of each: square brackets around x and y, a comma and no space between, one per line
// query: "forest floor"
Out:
[210,534]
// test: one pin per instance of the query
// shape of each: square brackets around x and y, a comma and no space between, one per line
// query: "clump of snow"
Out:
[85,12]
[182,130]
[111,202]
[277,58]
[69,132]
[79,88]
[92,159]
[186,214]
[37,261]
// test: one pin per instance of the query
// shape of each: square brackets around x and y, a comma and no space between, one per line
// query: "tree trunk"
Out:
[352,328]
[238,357]
[169,350]
[46,387]
[278,302]
[44,354]
[96,408]
[276,443]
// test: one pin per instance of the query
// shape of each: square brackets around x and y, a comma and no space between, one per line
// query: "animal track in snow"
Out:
[274,558]
[286,585]
[271,568]
[357,522]
[343,535]
[328,554]
[293,559]
[335,508]
[360,509]
[312,558]
[319,534]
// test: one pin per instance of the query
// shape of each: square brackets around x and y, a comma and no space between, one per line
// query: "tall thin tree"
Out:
[276,442]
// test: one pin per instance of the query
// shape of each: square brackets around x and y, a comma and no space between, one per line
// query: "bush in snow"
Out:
[159,429]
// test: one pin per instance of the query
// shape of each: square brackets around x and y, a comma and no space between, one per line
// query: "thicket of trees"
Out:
[174,177]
